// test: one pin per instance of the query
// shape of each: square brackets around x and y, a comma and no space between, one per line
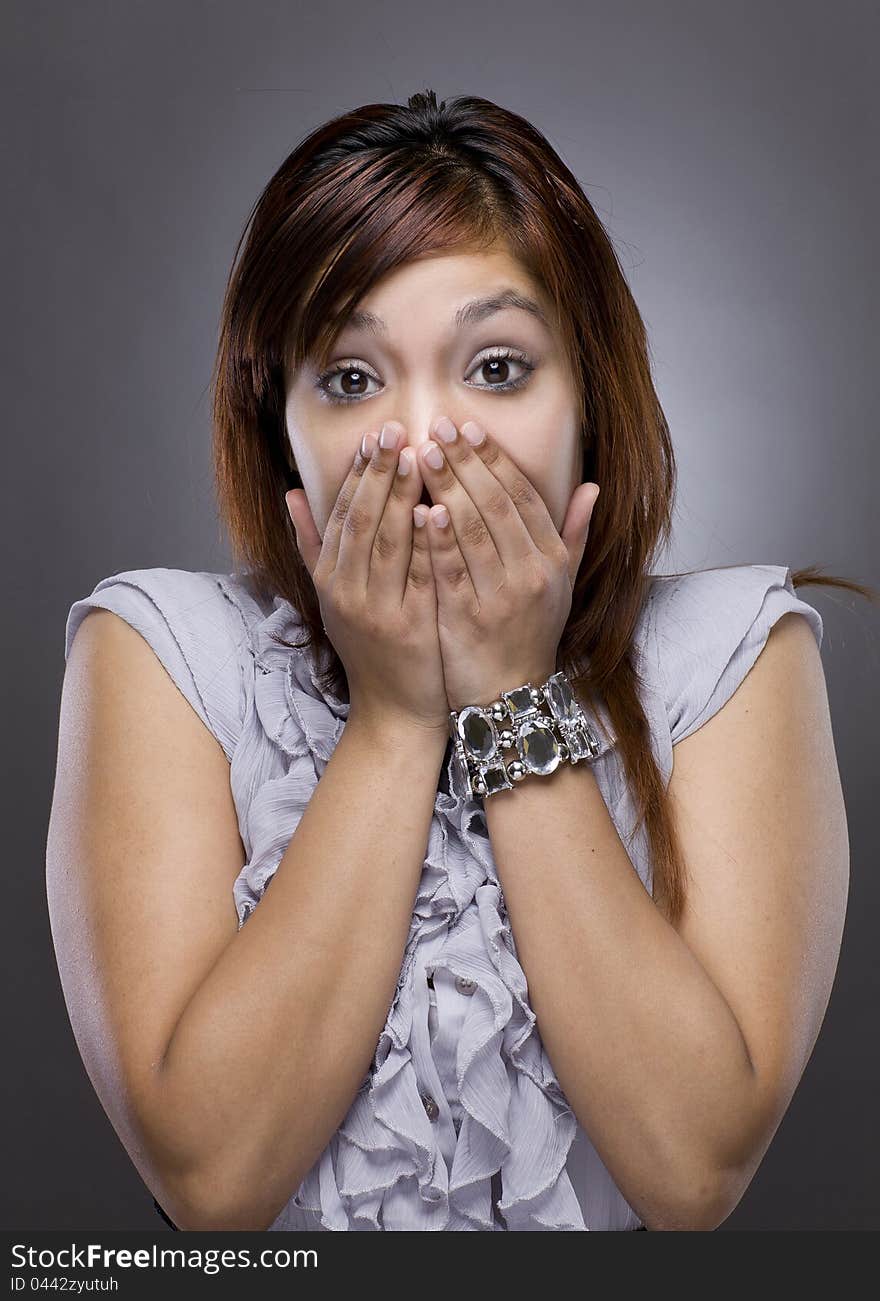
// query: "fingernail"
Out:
[440,516]
[404,461]
[420,515]
[473,433]
[446,430]
[434,456]
[388,437]
[368,444]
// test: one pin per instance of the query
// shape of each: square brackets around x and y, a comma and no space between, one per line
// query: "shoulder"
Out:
[197,623]
[701,632]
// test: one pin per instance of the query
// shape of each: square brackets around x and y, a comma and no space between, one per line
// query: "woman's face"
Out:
[418,363]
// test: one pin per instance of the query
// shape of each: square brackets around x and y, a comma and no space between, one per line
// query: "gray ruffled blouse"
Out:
[460,1123]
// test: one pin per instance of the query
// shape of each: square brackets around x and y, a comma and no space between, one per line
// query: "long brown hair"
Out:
[365,193]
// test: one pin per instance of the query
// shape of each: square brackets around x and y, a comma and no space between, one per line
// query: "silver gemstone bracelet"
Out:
[545,725]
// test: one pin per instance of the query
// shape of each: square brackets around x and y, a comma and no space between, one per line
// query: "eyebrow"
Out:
[471,313]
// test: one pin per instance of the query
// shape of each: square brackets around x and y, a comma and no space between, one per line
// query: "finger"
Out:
[393,567]
[452,577]
[420,579]
[491,534]
[479,467]
[576,526]
[333,529]
[365,511]
[308,539]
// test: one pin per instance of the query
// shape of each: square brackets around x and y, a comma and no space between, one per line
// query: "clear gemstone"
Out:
[582,743]
[496,779]
[559,693]
[477,732]
[538,747]
[519,701]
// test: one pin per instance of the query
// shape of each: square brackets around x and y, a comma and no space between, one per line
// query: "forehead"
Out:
[452,275]
[440,293]
[461,288]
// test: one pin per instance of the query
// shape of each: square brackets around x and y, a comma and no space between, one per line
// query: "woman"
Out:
[365,1052]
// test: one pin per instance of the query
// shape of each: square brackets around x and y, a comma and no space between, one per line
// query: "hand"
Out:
[503,574]
[376,590]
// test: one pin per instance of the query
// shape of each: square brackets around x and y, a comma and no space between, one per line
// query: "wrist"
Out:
[389,730]
[543,722]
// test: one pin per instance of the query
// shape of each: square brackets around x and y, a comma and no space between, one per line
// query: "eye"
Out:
[353,376]
[496,364]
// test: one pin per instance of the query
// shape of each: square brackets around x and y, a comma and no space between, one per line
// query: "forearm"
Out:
[645,1047]
[269,1053]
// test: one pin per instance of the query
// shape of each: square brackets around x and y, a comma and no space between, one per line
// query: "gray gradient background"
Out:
[731,151]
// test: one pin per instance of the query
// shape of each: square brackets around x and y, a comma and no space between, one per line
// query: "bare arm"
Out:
[680,1046]
[280,1035]
[225,1059]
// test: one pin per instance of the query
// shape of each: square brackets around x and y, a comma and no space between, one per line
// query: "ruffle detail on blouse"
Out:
[384,1169]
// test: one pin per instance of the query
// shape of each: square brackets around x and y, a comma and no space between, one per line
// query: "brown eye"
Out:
[352,380]
[495,370]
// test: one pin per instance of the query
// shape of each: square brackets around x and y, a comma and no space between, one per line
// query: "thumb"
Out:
[308,539]
[577,526]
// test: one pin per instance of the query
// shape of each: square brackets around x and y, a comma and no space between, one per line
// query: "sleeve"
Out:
[709,627]
[195,630]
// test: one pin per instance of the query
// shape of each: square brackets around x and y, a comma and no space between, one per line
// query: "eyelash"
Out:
[493,354]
